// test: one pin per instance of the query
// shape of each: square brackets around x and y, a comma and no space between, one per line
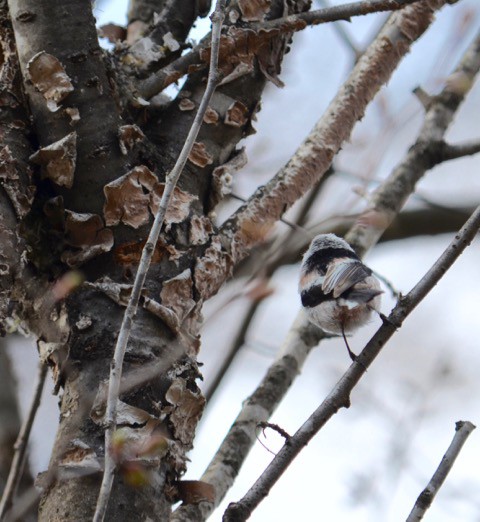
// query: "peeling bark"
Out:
[99,175]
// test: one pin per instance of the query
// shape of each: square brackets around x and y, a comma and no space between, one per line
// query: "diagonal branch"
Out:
[339,397]
[21,444]
[252,222]
[460,150]
[332,14]
[425,499]
[178,68]
[302,337]
[147,253]
[266,267]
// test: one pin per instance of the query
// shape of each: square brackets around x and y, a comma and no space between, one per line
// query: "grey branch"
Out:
[332,14]
[313,158]
[178,68]
[339,397]
[425,499]
[428,150]
[317,150]
[21,444]
[147,253]
[460,150]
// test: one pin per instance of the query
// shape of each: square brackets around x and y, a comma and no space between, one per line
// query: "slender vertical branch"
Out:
[425,499]
[339,397]
[130,311]
[19,458]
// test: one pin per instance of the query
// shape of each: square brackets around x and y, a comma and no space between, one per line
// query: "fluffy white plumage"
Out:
[338,292]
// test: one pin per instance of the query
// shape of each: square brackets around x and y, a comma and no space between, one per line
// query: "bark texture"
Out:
[99,169]
[83,163]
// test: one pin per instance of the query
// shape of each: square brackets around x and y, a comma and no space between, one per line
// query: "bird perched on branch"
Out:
[338,292]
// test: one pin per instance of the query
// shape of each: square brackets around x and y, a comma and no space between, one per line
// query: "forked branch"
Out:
[339,397]
[302,337]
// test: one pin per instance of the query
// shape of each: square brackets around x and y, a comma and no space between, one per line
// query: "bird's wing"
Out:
[342,275]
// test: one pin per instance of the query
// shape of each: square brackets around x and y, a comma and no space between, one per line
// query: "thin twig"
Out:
[178,68]
[267,266]
[339,397]
[314,156]
[425,499]
[127,322]
[24,504]
[332,14]
[21,444]
[343,34]
[301,338]
[460,150]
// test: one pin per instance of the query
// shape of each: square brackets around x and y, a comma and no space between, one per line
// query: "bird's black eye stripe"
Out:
[314,296]
[320,259]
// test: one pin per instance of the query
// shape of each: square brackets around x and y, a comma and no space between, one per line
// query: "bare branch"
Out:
[224,467]
[21,444]
[425,499]
[178,68]
[434,220]
[268,264]
[332,14]
[249,225]
[147,253]
[339,397]
[427,152]
[460,150]
[300,340]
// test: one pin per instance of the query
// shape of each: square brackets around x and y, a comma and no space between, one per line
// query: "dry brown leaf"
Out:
[58,160]
[49,77]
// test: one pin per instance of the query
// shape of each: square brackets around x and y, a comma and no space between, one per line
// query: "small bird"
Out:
[338,292]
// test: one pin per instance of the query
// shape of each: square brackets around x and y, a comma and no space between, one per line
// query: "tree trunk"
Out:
[99,172]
